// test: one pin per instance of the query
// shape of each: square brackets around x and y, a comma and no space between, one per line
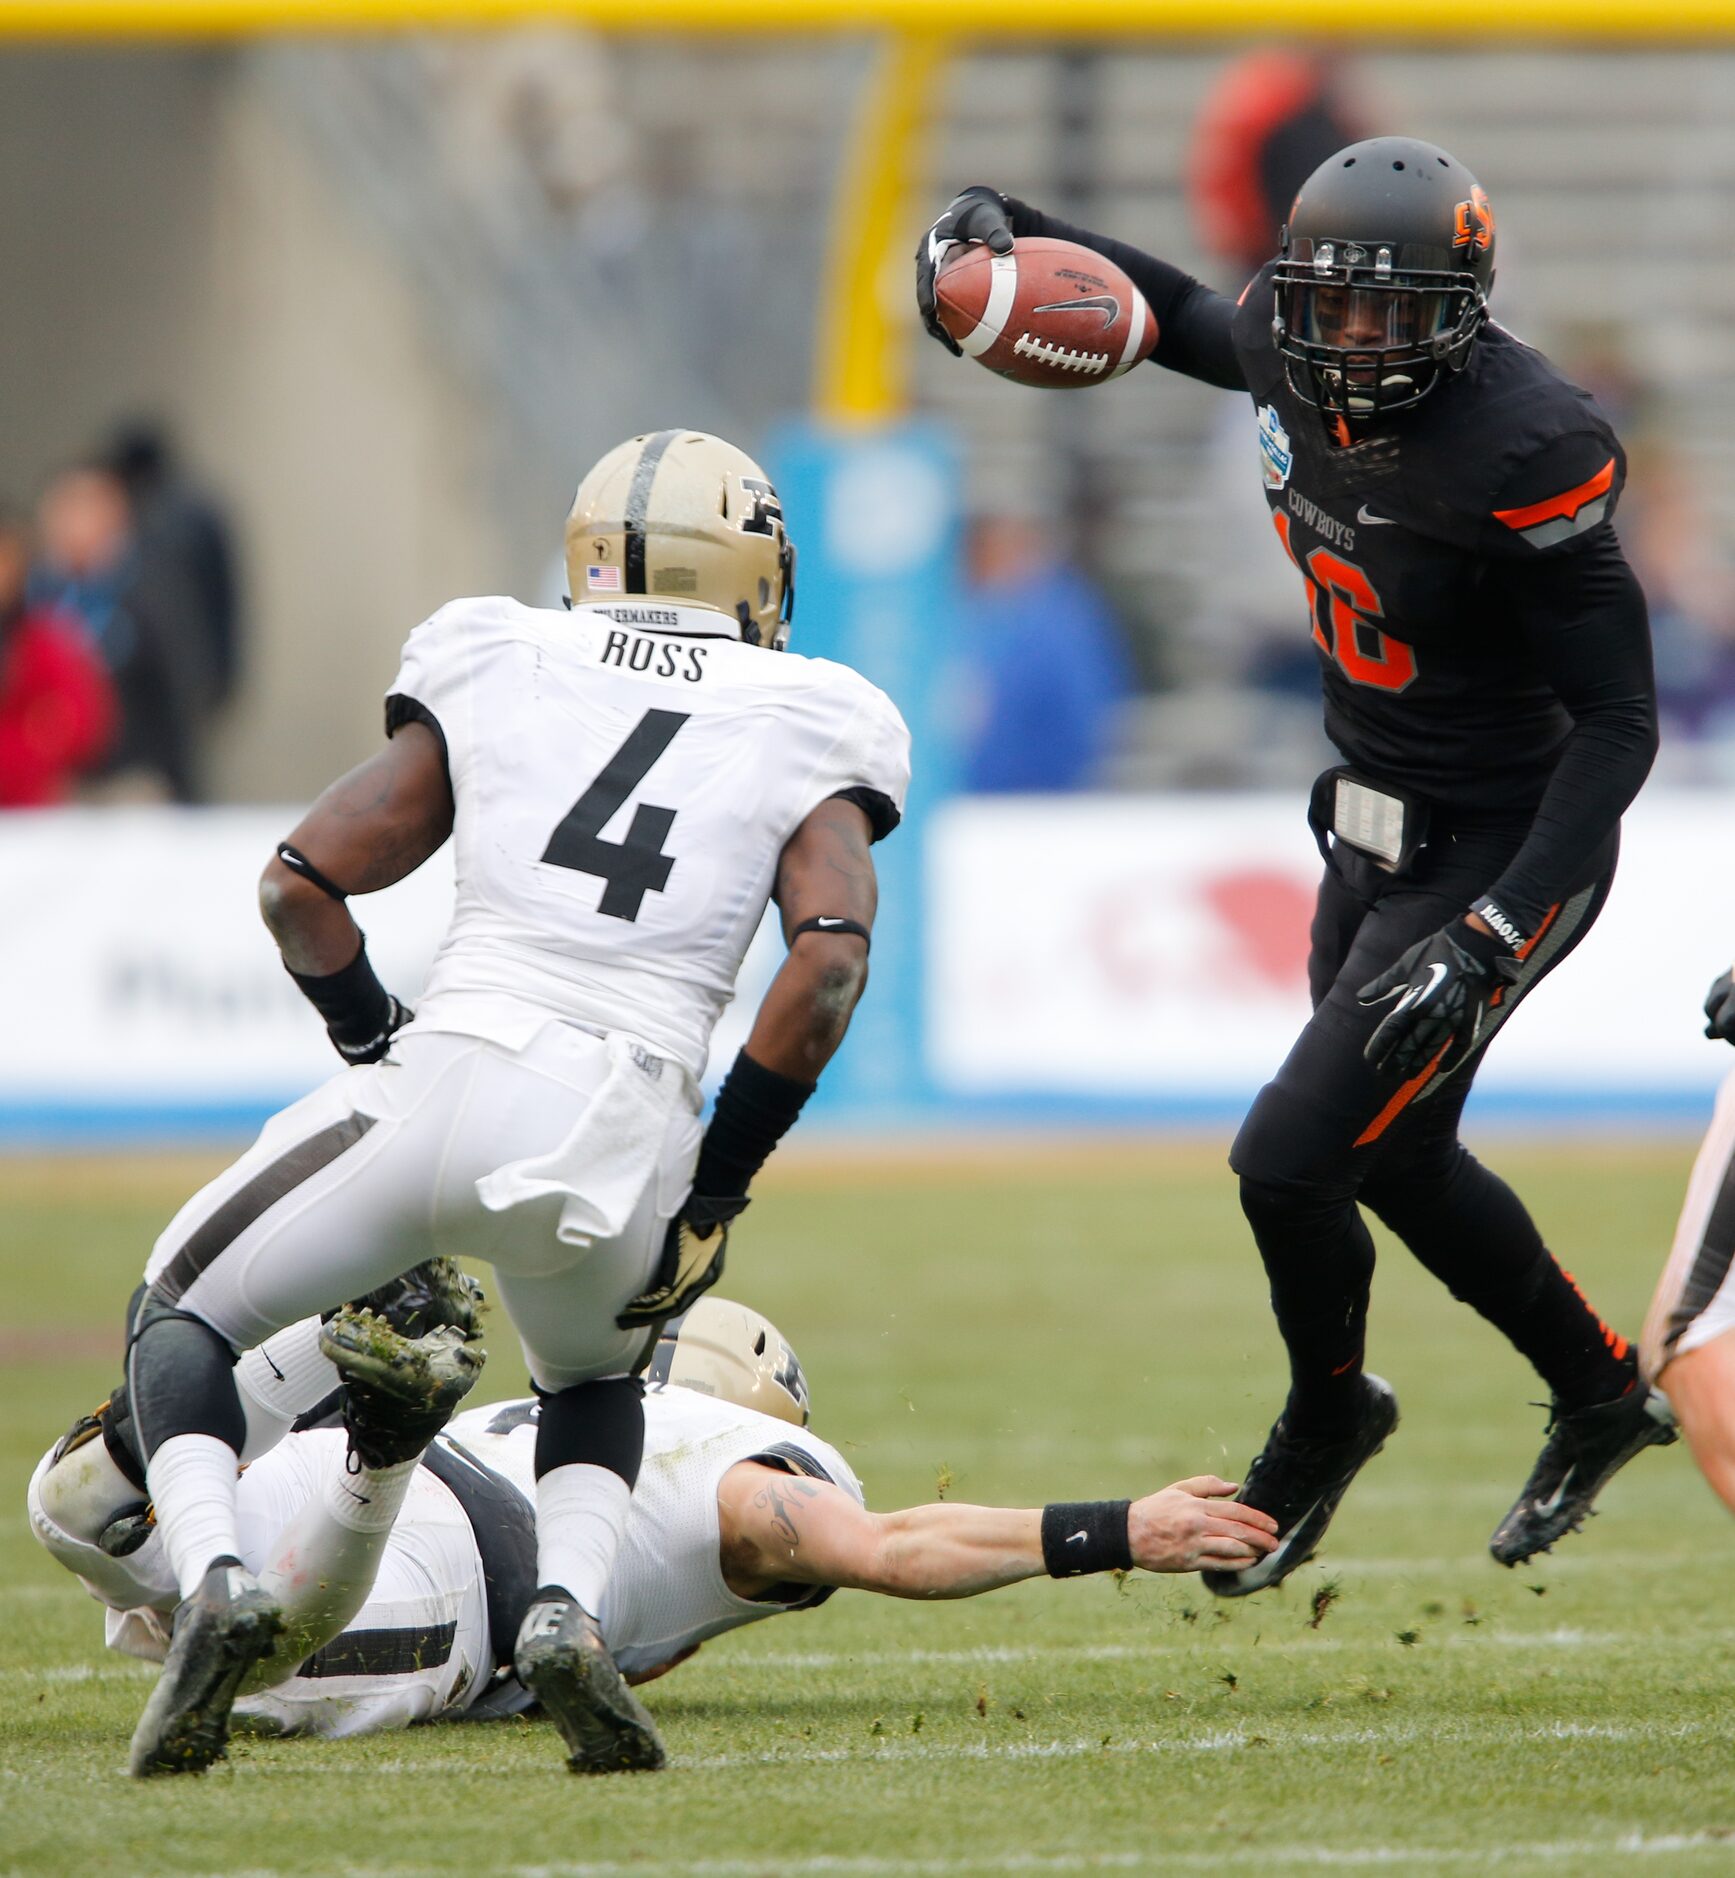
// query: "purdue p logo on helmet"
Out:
[730,1351]
[682,516]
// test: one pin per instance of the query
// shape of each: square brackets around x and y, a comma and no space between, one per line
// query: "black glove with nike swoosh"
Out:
[1720,1008]
[979,214]
[1441,992]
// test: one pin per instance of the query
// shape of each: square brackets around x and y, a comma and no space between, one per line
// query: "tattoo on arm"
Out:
[777,1498]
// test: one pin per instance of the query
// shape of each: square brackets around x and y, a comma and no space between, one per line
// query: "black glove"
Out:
[692,1262]
[977,215]
[358,1050]
[1720,1008]
[1443,989]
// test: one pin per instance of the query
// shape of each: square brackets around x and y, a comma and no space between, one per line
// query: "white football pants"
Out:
[377,1170]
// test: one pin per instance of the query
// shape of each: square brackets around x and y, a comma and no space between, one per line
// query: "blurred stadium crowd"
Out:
[120,629]
[555,196]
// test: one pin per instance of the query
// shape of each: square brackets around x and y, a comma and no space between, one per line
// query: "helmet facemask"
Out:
[1361,337]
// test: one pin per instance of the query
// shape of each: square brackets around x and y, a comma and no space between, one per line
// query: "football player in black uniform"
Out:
[1446,497]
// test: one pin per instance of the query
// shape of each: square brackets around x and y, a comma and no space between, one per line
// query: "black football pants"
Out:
[1328,1132]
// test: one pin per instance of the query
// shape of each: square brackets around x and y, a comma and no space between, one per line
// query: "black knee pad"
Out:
[180,1379]
[593,1424]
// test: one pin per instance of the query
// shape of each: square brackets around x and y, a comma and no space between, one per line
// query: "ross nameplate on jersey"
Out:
[1374,820]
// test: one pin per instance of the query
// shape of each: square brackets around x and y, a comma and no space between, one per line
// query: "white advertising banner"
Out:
[139,986]
[1153,949]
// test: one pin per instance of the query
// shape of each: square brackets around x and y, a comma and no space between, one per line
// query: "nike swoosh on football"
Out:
[1365,514]
[1104,303]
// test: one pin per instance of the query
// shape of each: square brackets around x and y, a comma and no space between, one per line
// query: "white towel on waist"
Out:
[604,1165]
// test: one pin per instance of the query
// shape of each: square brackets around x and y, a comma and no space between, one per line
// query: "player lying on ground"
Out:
[741,1512]
[389,1377]
[1688,1345]
[1446,497]
[627,785]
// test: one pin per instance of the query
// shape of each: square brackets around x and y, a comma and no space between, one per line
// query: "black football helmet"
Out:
[1382,277]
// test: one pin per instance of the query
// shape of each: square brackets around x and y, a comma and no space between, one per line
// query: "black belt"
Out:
[505,1527]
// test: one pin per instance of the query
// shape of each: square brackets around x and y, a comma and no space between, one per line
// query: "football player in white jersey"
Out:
[741,1512]
[626,786]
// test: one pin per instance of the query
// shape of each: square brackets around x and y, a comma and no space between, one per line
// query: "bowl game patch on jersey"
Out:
[1275,456]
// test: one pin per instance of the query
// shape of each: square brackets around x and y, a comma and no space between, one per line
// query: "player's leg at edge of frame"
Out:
[1700,1385]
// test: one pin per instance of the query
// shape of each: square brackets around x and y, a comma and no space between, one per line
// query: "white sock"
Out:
[368,1500]
[581,1511]
[191,1479]
[280,1380]
[321,1567]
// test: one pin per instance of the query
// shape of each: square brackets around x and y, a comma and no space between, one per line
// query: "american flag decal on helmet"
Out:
[603,579]
[1570,513]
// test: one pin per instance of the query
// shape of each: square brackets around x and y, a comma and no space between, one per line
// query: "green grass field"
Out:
[1018,1328]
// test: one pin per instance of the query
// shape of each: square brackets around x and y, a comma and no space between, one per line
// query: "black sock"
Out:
[1473,1233]
[1319,1258]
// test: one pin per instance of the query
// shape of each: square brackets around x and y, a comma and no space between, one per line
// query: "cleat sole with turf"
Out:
[399,1391]
[437,1291]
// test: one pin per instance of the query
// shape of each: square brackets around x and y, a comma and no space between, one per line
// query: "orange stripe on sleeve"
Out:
[1569,502]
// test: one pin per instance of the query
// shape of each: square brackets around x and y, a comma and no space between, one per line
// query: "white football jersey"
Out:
[666,1593]
[625,779]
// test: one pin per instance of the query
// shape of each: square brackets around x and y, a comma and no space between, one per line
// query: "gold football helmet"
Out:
[681,516]
[728,1350]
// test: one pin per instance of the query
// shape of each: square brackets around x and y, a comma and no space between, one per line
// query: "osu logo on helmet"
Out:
[1474,228]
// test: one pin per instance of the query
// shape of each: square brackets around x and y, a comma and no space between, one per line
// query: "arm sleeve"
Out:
[869,764]
[1194,325]
[1585,625]
[431,676]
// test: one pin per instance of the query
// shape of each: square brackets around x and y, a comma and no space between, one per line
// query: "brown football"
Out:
[1050,313]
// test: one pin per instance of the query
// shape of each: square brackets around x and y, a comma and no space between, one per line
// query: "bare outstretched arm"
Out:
[780,1528]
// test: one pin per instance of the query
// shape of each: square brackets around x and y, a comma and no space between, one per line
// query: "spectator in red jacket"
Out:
[57,702]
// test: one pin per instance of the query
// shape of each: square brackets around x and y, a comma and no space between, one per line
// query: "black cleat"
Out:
[562,1660]
[1584,1450]
[227,1626]
[1299,1483]
[399,1391]
[438,1291]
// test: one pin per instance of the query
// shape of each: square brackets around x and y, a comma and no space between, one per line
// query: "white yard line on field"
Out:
[1492,1857]
[1454,1634]
[1263,1858]
[1214,1741]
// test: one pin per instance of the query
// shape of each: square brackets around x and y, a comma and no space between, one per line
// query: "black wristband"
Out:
[1080,1536]
[756,1108]
[1502,926]
[356,1007]
[834,923]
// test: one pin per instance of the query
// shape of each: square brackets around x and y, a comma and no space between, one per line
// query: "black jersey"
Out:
[1483,642]
[1413,547]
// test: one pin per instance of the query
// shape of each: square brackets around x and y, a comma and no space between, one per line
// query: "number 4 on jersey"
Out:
[636,866]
